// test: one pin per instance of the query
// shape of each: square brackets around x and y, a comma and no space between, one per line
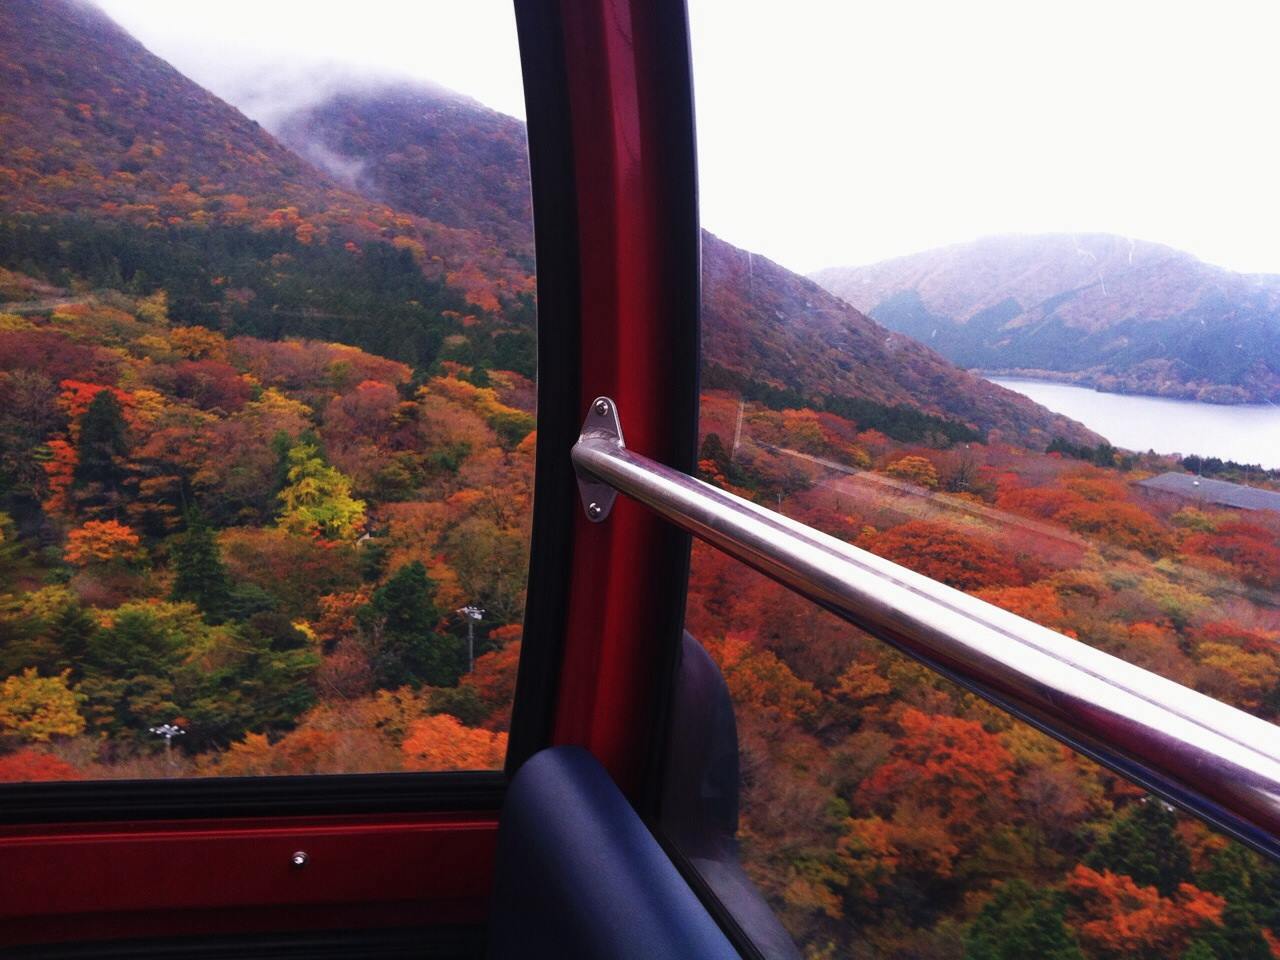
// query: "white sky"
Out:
[847,131]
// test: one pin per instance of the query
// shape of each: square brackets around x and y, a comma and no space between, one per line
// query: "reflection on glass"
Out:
[885,810]
[266,416]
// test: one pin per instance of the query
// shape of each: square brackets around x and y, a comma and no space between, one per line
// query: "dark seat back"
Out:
[580,877]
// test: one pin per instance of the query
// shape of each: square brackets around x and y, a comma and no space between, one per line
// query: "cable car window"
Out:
[267,364]
[954,316]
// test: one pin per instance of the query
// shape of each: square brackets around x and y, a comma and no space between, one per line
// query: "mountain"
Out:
[119,172]
[1106,311]
[411,146]
[767,324]
[422,149]
[94,123]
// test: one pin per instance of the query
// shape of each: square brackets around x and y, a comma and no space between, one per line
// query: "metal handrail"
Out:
[1214,761]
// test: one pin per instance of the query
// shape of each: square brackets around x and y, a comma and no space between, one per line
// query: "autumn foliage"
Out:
[1119,918]
[944,553]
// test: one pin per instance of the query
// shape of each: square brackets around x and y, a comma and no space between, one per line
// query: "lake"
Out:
[1247,434]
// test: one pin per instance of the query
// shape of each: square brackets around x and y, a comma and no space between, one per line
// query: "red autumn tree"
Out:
[494,678]
[1250,549]
[26,765]
[949,765]
[947,554]
[1041,503]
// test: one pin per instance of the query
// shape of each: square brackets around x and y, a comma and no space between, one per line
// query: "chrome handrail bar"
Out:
[1214,761]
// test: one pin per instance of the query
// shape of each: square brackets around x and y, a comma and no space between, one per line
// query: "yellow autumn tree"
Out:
[917,470]
[36,708]
[317,500]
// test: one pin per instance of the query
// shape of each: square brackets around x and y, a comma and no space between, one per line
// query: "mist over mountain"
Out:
[1107,311]
[422,149]
[435,153]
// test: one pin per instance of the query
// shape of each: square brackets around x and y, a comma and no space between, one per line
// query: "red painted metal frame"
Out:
[108,881]
[636,309]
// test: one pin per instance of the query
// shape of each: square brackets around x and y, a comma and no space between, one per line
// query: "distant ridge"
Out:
[1096,309]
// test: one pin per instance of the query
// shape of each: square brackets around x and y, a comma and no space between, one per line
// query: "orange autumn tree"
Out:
[494,677]
[952,766]
[1038,602]
[873,851]
[1041,503]
[442,742]
[1115,917]
[103,542]
[1120,523]
[760,681]
[913,469]
[59,467]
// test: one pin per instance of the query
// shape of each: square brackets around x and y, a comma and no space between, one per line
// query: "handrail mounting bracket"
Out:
[602,424]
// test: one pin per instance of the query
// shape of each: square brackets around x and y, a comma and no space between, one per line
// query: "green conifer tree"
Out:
[1021,922]
[100,472]
[199,574]
[1144,844]
[399,627]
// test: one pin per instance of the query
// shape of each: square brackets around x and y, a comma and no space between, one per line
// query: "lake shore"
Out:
[1245,433]
[1217,394]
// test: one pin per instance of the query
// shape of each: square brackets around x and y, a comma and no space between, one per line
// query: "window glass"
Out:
[953,316]
[267,364]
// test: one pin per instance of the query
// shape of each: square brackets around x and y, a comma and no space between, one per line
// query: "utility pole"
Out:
[472,613]
[168,731]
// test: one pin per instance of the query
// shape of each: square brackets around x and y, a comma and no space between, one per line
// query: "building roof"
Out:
[1218,492]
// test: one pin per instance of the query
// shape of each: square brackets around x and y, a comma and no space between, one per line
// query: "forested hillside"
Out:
[259,541]
[771,325]
[109,147]
[261,436]
[888,813]
[424,150]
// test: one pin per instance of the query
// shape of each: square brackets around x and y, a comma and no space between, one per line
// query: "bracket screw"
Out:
[595,511]
[299,859]
[601,407]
